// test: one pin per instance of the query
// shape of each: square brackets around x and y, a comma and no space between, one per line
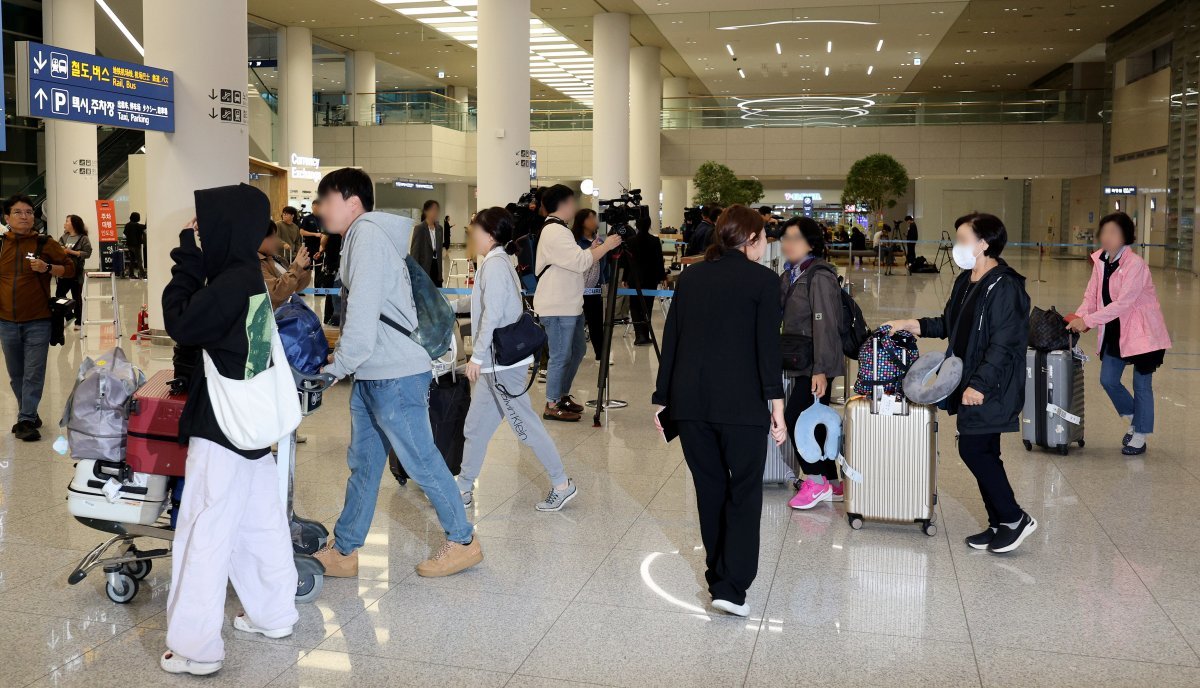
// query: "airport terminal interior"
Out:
[1051,115]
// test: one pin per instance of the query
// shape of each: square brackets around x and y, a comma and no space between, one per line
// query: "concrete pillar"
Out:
[691,191]
[503,88]
[457,207]
[205,45]
[296,107]
[674,201]
[675,98]
[71,165]
[462,108]
[610,122]
[645,127]
[360,86]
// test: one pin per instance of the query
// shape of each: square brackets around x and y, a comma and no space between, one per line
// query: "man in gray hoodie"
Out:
[389,404]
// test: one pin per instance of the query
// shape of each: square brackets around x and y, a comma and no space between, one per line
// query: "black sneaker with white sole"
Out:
[1007,539]
[981,540]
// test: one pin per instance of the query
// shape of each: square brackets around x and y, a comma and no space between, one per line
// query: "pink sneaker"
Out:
[838,493]
[811,494]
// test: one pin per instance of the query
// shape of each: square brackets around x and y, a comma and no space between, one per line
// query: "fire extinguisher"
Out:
[143,324]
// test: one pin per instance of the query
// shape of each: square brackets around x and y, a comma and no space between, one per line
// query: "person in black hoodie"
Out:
[233,526]
[987,323]
[643,257]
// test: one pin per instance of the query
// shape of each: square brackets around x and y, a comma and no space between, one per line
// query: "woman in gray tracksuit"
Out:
[496,302]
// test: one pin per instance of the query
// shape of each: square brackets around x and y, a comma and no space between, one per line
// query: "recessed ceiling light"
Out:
[778,49]
[826,71]
[870,68]
[741,73]
[797,21]
[917,61]
[879,45]
[828,46]
[730,49]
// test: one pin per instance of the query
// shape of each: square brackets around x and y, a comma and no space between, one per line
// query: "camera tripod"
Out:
[602,402]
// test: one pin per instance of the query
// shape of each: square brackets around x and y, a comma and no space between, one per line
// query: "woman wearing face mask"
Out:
[987,323]
[1121,301]
[720,383]
[812,315]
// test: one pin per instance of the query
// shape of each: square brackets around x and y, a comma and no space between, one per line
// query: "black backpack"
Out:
[854,330]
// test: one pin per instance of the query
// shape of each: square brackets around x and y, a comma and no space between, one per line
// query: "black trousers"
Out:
[727,464]
[800,399]
[74,287]
[981,453]
[593,315]
[640,310]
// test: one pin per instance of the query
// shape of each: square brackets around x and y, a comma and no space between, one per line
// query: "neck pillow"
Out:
[805,432]
[933,377]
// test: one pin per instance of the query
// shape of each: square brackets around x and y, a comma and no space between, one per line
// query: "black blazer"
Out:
[720,356]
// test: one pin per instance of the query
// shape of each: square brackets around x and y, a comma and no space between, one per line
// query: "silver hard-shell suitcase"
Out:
[780,467]
[894,456]
[1053,412]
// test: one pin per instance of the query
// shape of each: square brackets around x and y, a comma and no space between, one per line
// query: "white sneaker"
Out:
[242,623]
[176,664]
[731,608]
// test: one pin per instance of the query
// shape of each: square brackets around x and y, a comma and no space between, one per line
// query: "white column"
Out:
[503,89]
[71,165]
[674,201]
[691,191]
[675,98]
[460,94]
[457,207]
[645,126]
[137,188]
[610,119]
[296,105]
[360,86]
[204,44]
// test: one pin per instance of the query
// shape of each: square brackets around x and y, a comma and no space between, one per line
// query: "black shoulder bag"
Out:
[797,349]
[514,343]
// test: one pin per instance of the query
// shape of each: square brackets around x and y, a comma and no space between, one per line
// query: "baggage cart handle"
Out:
[318,382]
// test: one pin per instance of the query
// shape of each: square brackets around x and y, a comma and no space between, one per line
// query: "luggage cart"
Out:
[128,565]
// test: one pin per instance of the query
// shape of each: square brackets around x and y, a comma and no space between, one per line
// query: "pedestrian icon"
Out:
[59,65]
[237,97]
[237,115]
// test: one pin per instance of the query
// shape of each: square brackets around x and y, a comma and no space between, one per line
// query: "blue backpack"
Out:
[302,335]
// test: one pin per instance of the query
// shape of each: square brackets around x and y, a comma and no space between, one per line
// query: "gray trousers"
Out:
[489,406]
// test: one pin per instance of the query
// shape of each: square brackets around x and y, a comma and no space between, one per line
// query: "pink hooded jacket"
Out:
[1134,301]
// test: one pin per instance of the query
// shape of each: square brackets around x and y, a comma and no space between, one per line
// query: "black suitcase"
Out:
[449,399]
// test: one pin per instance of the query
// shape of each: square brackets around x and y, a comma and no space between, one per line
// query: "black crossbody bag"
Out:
[797,349]
[515,342]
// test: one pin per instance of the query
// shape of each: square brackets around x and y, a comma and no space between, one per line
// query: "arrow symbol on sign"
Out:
[39,62]
[41,97]
[212,94]
[212,113]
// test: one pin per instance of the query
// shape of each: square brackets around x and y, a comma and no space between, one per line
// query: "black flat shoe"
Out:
[1125,440]
[1133,451]
[1008,539]
[981,540]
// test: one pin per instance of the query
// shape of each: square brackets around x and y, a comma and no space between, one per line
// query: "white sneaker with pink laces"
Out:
[810,494]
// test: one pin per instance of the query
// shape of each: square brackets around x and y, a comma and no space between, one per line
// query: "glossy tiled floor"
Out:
[610,592]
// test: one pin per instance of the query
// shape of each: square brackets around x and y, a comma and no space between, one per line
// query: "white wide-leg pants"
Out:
[232,527]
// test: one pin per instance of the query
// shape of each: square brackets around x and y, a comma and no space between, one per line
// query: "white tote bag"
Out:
[255,413]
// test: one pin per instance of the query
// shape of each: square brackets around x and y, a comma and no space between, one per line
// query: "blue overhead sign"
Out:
[66,84]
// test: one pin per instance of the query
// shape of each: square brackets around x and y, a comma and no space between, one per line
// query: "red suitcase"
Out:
[153,444]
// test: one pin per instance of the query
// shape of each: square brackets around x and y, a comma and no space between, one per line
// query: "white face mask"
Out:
[964,256]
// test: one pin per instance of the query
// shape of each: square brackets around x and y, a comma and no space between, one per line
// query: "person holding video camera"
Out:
[561,267]
[702,238]
[643,258]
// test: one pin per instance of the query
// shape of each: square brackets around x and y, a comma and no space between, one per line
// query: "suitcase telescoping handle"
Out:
[877,391]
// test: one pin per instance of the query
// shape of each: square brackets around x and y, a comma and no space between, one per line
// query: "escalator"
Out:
[112,163]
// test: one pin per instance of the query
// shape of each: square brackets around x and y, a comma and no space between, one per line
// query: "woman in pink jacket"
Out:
[1121,301]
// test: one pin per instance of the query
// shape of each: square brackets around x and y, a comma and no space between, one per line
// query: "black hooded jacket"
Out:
[994,364]
[216,300]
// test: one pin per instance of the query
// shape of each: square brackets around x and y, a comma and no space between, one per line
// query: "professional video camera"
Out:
[617,213]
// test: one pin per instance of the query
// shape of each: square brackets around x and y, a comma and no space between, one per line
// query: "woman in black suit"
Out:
[720,384]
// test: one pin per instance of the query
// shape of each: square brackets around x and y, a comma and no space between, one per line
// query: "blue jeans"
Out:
[567,347]
[394,414]
[25,346]
[1140,404]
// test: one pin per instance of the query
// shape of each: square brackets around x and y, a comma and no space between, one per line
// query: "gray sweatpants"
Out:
[489,406]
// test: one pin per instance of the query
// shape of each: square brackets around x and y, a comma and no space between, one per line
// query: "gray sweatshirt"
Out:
[494,302]
[375,280]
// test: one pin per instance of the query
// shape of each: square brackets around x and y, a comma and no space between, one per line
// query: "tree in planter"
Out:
[716,183]
[876,181]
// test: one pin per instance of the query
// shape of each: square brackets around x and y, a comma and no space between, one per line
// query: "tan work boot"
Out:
[338,565]
[450,559]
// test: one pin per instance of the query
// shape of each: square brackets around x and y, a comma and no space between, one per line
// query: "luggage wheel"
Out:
[856,521]
[928,528]
[1081,444]
[1028,445]
[120,587]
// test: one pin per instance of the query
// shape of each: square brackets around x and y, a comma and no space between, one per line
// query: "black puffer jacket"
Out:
[994,364]
[216,301]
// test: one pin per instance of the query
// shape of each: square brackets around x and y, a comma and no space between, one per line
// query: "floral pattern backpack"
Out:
[884,359]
